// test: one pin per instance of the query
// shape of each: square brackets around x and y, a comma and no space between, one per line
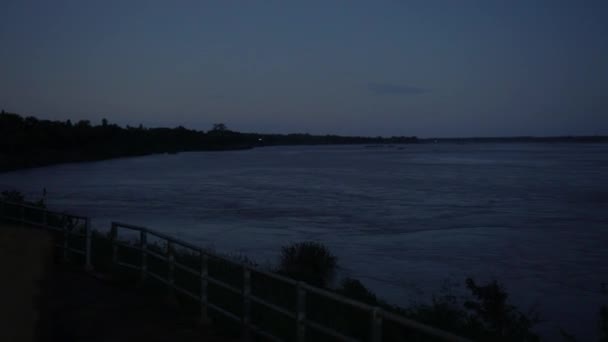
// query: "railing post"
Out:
[171,270]
[301,312]
[113,237]
[246,304]
[143,244]
[88,266]
[44,218]
[204,284]
[22,215]
[66,237]
[376,325]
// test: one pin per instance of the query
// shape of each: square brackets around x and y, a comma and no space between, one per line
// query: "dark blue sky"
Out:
[426,68]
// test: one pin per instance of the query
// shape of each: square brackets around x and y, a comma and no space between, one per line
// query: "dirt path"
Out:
[44,301]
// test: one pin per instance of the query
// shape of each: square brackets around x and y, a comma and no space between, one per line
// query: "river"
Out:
[402,219]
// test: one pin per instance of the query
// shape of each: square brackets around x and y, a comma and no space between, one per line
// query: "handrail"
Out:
[157,234]
[168,257]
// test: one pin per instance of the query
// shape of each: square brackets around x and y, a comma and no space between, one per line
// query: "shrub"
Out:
[486,316]
[502,320]
[353,288]
[445,311]
[311,262]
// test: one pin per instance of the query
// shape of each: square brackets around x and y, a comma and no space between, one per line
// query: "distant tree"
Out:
[31,121]
[45,142]
[83,124]
[2,112]
[219,127]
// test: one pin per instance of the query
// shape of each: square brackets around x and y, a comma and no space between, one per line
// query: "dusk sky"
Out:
[424,68]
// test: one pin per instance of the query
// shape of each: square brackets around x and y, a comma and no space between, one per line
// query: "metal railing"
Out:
[167,255]
[376,315]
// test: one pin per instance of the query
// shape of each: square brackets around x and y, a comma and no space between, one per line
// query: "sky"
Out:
[424,68]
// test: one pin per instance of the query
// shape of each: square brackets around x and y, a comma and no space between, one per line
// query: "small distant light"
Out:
[259,139]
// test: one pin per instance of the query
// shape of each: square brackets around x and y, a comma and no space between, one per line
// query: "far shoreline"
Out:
[422,141]
[27,142]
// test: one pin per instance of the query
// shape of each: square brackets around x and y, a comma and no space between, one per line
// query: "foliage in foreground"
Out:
[308,261]
[486,315]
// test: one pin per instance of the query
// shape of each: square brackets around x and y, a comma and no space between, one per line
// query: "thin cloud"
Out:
[395,89]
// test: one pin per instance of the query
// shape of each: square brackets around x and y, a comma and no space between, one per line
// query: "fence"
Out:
[234,293]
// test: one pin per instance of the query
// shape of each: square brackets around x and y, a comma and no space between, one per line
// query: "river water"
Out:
[403,220]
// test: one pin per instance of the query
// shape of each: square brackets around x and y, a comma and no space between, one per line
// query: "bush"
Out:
[486,316]
[353,288]
[500,319]
[311,262]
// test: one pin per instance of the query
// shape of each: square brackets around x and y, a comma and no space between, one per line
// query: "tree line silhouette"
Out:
[30,142]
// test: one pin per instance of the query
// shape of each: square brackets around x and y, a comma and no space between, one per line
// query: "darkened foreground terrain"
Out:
[44,300]
[24,255]
[30,142]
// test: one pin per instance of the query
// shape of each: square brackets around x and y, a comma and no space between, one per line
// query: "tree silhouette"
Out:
[33,142]
[219,127]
